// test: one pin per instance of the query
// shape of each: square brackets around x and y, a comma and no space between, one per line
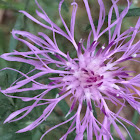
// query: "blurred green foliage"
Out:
[8,44]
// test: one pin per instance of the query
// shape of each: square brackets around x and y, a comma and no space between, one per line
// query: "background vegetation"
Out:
[10,19]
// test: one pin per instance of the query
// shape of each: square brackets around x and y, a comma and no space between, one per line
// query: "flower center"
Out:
[87,78]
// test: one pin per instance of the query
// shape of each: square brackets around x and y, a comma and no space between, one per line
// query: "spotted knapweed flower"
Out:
[94,76]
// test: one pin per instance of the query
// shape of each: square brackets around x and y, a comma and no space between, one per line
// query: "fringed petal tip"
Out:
[6,121]
[14,32]
[22,131]
[10,117]
[2,56]
[21,11]
[3,91]
[28,128]
[19,131]
[74,3]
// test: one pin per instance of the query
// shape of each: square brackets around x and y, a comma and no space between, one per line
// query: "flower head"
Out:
[94,76]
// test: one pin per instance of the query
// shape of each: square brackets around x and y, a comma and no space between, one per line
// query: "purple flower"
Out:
[93,76]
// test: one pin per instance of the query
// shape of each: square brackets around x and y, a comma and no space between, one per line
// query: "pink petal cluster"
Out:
[93,76]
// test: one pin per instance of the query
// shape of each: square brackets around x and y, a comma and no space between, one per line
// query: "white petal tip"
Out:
[57,95]
[5,121]
[67,114]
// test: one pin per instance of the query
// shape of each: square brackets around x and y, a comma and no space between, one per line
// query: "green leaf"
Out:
[11,5]
[36,135]
[2,49]
[131,128]
[133,12]
[19,24]
[94,110]
[62,104]
[64,107]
